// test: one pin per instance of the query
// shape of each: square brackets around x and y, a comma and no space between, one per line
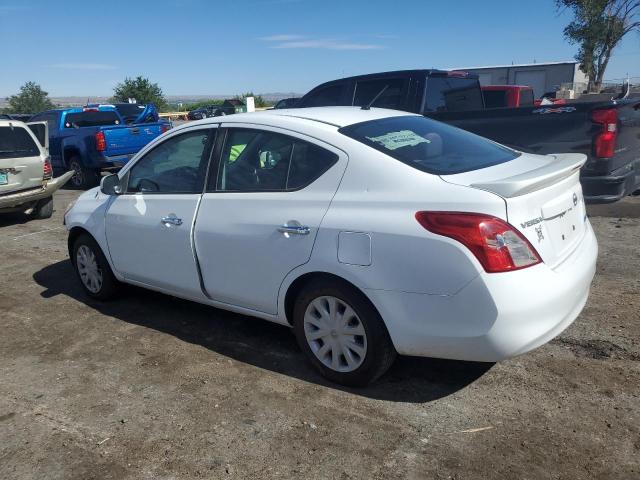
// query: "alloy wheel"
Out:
[78,175]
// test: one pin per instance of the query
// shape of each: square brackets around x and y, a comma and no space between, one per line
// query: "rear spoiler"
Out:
[565,165]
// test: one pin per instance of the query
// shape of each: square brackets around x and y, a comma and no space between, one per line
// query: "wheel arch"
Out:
[68,152]
[296,286]
[74,233]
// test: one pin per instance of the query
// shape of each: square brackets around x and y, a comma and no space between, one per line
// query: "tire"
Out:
[83,178]
[97,280]
[366,357]
[43,209]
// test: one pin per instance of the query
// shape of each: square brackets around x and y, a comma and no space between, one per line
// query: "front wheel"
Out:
[92,268]
[342,333]
[83,178]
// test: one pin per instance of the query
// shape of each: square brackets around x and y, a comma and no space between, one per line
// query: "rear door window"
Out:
[50,117]
[16,142]
[91,119]
[428,145]
[452,94]
[256,160]
[330,96]
[392,92]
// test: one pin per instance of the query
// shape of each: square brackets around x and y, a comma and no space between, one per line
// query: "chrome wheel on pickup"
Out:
[83,177]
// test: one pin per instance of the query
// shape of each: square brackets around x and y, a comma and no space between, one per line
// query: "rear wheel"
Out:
[341,333]
[92,268]
[83,178]
[43,209]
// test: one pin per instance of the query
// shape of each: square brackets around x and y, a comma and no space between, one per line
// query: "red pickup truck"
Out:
[501,96]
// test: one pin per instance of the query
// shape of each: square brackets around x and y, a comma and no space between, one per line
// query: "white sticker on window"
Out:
[402,138]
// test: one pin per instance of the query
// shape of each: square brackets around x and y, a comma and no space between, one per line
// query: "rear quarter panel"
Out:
[379,196]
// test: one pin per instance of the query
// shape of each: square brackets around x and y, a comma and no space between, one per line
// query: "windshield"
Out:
[16,142]
[429,146]
[91,119]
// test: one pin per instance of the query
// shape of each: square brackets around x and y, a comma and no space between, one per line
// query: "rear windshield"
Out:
[16,142]
[429,146]
[494,98]
[91,119]
[452,94]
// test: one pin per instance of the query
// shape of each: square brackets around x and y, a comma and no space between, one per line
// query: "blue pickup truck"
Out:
[89,140]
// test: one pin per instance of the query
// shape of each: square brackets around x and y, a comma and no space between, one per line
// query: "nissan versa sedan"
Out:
[370,232]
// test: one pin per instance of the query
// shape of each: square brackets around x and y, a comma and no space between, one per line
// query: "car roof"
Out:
[335,116]
[7,123]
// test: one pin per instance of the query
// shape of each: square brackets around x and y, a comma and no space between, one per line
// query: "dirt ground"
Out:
[153,387]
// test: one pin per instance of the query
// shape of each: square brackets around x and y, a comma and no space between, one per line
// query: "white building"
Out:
[543,77]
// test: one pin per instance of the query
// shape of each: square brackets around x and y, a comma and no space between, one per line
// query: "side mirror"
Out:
[110,185]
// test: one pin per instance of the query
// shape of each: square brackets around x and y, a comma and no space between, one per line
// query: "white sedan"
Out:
[369,232]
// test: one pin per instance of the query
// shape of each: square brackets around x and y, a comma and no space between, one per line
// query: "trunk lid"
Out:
[543,199]
[21,159]
[126,140]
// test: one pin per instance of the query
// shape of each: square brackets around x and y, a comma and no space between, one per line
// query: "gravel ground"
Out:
[153,387]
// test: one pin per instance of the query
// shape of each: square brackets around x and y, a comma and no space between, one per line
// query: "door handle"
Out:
[294,229]
[171,220]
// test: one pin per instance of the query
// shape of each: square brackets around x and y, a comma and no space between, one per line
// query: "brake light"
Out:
[164,128]
[497,245]
[47,169]
[604,143]
[101,143]
[90,109]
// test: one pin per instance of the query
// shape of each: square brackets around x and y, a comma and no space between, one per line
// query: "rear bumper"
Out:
[494,317]
[609,188]
[117,162]
[114,162]
[13,200]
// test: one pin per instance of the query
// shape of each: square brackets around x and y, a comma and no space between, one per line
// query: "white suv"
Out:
[26,177]
[370,232]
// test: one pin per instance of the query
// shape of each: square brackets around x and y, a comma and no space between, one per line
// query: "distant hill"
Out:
[77,101]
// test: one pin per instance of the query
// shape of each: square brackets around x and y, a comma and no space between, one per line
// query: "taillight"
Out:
[497,245]
[101,143]
[164,128]
[47,169]
[604,144]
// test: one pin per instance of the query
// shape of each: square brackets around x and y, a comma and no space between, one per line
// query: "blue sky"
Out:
[84,48]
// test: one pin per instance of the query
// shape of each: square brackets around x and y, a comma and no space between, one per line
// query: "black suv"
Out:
[209,111]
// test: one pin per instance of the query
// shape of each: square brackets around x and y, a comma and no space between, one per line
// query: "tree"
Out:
[141,89]
[31,99]
[598,26]
[259,101]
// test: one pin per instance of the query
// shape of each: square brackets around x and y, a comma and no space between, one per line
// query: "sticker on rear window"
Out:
[402,138]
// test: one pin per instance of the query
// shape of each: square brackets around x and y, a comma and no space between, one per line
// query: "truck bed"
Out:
[566,129]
